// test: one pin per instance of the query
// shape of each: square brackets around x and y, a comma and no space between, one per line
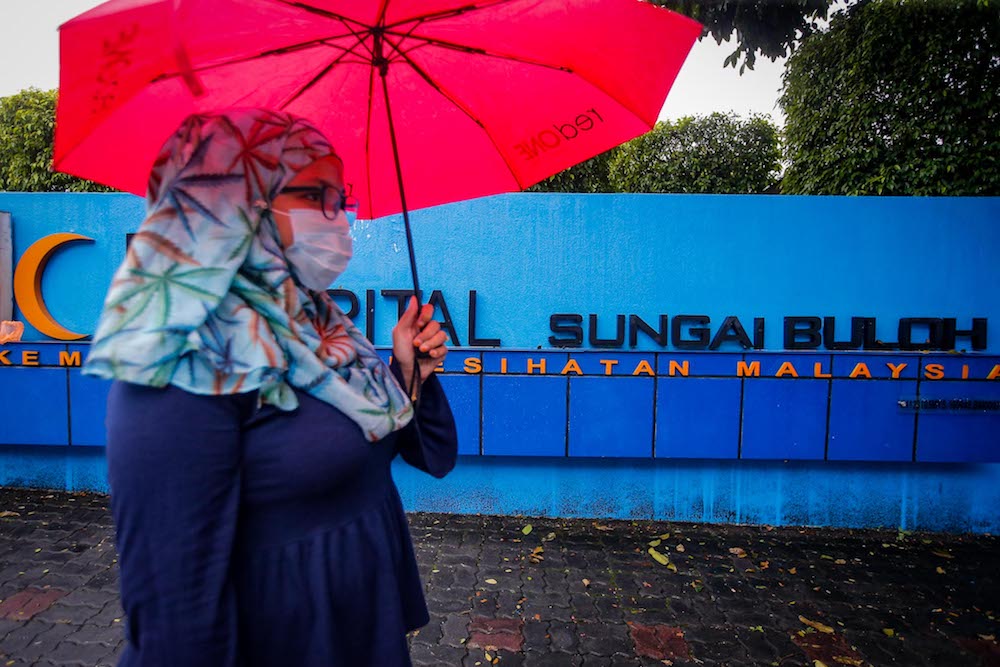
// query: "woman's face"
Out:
[328,171]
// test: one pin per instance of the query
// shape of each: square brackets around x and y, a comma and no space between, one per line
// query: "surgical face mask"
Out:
[320,248]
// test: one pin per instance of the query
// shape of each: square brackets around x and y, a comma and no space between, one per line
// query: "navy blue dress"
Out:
[251,537]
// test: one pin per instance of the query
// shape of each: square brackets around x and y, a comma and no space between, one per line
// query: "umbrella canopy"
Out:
[485,96]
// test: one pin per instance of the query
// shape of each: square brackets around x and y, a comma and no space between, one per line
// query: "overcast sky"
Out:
[29,56]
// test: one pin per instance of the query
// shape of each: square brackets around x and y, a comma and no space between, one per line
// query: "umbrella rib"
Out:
[321,12]
[312,82]
[368,140]
[446,13]
[474,50]
[267,54]
[458,104]
[524,61]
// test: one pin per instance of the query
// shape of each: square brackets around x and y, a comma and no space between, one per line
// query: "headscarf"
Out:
[205,299]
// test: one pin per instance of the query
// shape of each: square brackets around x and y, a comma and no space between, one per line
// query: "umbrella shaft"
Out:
[399,180]
[415,379]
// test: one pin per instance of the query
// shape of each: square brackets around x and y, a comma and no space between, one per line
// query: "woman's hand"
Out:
[418,332]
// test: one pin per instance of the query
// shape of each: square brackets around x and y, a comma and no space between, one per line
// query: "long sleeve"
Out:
[174,470]
[430,441]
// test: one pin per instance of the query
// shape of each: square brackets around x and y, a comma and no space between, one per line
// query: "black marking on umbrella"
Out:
[458,104]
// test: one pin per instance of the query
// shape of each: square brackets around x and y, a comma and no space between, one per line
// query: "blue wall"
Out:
[822,448]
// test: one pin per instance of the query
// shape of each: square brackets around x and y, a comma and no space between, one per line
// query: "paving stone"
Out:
[551,660]
[455,630]
[41,646]
[68,613]
[660,642]
[604,639]
[94,634]
[32,600]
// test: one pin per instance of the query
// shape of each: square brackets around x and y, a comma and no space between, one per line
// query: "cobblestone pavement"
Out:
[579,593]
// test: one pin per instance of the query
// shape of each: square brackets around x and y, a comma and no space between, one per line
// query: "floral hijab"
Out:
[205,299]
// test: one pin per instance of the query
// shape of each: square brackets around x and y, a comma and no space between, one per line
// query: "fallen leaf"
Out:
[825,557]
[665,536]
[586,582]
[889,632]
[844,660]
[738,552]
[819,663]
[680,547]
[2,514]
[657,556]
[671,567]
[489,657]
[988,638]
[942,554]
[939,569]
[491,581]
[764,564]
[840,561]
[756,628]
[600,526]
[654,543]
[549,537]
[816,625]
[792,570]
[527,529]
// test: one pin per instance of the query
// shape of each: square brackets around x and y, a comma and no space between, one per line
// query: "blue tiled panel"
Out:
[88,401]
[804,363]
[784,419]
[611,416]
[463,397]
[517,362]
[705,364]
[455,361]
[524,416]
[35,408]
[698,418]
[866,422]
[958,435]
[952,366]
[619,363]
[36,354]
[877,364]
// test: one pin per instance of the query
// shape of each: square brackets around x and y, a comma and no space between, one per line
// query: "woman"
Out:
[251,426]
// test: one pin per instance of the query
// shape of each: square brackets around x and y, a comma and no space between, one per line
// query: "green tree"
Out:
[27,124]
[897,98]
[771,28]
[718,153]
[590,176]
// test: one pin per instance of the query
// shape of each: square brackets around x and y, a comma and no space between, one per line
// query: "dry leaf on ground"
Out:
[816,625]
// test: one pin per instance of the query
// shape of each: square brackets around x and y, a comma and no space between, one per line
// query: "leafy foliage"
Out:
[27,125]
[897,98]
[772,28]
[590,176]
[719,153]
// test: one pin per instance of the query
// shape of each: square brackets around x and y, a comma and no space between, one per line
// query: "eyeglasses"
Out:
[332,201]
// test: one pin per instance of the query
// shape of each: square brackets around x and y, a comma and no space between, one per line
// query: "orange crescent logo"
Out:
[28,285]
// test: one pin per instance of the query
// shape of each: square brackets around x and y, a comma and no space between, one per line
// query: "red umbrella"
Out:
[456,98]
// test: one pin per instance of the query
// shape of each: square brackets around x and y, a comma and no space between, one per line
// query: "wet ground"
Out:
[559,592]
